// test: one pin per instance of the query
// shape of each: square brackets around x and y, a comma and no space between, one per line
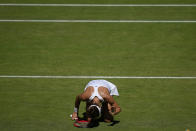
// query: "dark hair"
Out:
[92,112]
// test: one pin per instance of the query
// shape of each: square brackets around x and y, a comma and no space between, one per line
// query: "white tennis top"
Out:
[98,83]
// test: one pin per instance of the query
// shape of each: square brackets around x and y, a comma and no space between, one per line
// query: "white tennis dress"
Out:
[97,83]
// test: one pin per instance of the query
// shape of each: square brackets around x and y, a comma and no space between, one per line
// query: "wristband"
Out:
[75,109]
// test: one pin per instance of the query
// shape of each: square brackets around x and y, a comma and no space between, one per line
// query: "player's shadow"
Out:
[95,123]
[114,123]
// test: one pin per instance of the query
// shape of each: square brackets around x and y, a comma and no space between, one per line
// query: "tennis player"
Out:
[100,104]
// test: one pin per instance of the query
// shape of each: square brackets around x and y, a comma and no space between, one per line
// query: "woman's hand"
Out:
[75,116]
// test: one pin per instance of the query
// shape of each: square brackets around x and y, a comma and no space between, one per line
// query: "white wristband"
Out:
[75,109]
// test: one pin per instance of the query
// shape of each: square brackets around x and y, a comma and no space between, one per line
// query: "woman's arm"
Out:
[76,108]
[79,98]
[115,108]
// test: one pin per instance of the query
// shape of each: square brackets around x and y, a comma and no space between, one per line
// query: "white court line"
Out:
[103,5]
[99,77]
[104,21]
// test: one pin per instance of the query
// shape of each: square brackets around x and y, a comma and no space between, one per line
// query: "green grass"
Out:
[100,13]
[97,49]
[104,1]
[44,104]
[102,49]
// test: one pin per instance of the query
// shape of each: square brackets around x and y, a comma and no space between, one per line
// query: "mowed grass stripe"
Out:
[114,49]
[98,13]
[104,21]
[45,104]
[101,1]
[102,5]
[102,77]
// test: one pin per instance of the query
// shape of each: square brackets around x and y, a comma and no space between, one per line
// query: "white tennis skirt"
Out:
[110,86]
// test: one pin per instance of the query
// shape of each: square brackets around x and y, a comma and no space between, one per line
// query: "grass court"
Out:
[97,49]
